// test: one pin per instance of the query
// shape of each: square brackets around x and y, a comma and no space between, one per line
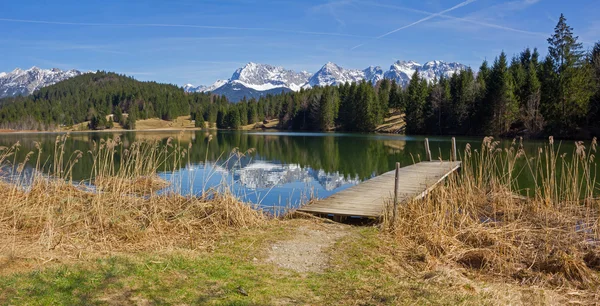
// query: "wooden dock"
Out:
[368,198]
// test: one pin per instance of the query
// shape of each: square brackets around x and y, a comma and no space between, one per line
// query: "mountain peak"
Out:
[24,82]
[256,79]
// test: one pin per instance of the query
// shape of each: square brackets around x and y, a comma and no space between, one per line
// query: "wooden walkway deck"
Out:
[368,198]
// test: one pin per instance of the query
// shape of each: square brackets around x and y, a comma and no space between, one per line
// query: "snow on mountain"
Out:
[402,71]
[265,77]
[373,74]
[332,74]
[202,88]
[21,82]
[434,69]
[256,80]
[264,174]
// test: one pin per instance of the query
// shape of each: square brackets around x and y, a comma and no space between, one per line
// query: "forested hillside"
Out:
[526,94]
[94,95]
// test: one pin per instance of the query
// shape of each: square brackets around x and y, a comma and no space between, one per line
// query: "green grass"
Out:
[360,273]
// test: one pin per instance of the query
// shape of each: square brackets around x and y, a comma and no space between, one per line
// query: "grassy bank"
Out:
[114,240]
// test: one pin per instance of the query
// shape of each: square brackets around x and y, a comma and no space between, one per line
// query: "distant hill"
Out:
[78,98]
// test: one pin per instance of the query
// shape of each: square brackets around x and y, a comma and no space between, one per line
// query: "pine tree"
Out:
[221,123]
[233,118]
[118,114]
[416,97]
[383,99]
[531,113]
[570,77]
[131,118]
[348,108]
[501,97]
[367,108]
[463,100]
[594,107]
[328,113]
[395,100]
[199,121]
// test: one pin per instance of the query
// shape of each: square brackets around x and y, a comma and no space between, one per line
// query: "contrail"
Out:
[485,24]
[165,25]
[422,20]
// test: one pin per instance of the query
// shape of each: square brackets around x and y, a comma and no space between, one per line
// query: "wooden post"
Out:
[396,193]
[427,151]
[454,149]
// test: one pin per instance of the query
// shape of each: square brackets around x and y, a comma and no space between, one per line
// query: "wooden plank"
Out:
[367,199]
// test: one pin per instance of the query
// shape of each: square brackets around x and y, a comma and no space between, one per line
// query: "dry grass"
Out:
[394,124]
[182,122]
[271,124]
[478,223]
[474,226]
[118,210]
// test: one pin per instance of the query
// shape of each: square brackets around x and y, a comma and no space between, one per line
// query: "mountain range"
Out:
[21,82]
[256,80]
[251,81]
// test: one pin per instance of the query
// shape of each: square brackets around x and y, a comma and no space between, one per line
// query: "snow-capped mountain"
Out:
[256,80]
[402,71]
[201,88]
[24,82]
[265,77]
[332,74]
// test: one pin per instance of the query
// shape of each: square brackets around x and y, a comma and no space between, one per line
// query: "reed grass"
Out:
[480,221]
[43,211]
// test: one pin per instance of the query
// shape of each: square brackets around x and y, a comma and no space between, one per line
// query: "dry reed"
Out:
[478,221]
[117,209]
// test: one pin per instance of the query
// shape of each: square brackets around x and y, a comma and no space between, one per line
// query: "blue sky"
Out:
[185,41]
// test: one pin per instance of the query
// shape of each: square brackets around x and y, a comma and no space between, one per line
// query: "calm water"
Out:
[284,170]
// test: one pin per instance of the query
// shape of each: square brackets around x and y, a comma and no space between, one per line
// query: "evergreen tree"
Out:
[395,100]
[328,106]
[118,114]
[463,100]
[570,77]
[348,108]
[383,99]
[131,118]
[501,97]
[367,108]
[531,113]
[221,120]
[233,118]
[416,97]
[594,106]
[199,121]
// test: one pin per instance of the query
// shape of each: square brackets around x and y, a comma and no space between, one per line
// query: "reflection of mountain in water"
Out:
[262,174]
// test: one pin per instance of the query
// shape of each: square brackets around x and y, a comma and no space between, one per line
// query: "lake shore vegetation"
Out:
[120,237]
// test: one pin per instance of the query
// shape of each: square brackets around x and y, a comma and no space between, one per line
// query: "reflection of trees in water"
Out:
[353,156]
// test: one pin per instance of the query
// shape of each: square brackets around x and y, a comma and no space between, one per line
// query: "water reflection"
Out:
[283,169]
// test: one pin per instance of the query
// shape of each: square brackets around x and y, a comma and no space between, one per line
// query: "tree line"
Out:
[559,95]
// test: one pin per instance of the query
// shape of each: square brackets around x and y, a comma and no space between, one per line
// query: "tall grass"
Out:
[116,209]
[481,222]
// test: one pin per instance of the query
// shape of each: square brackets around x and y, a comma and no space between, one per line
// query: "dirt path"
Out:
[307,251]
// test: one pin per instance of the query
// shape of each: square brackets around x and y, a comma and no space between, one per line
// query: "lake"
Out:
[285,168]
